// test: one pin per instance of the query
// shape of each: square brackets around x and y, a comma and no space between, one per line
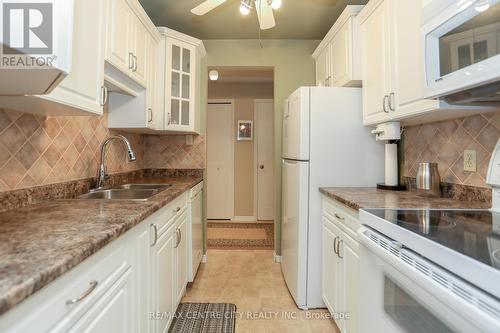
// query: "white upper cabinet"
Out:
[126,44]
[169,102]
[182,56]
[338,55]
[376,59]
[131,68]
[180,97]
[323,70]
[81,92]
[393,67]
[119,35]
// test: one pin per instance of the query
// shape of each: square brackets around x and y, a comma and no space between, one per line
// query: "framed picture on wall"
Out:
[245,130]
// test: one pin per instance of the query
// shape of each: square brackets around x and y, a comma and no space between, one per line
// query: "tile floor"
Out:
[251,280]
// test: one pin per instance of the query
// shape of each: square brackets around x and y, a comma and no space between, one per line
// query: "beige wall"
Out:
[244,95]
[293,67]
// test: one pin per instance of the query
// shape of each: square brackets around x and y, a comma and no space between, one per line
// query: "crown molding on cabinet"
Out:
[350,11]
[185,38]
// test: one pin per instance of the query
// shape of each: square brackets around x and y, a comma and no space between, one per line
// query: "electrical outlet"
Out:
[470,160]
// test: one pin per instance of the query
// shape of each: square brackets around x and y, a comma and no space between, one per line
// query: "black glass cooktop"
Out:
[474,233]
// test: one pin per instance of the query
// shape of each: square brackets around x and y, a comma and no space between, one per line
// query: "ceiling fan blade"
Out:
[206,6]
[264,14]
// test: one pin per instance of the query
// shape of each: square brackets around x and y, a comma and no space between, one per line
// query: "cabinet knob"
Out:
[261,167]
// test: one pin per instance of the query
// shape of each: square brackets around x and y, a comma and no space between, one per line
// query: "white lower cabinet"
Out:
[340,264]
[181,257]
[134,284]
[163,286]
[113,312]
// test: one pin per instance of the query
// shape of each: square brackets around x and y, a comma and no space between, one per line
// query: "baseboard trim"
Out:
[277,258]
[244,219]
[204,259]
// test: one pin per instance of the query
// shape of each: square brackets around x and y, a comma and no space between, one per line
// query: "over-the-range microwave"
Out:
[461,40]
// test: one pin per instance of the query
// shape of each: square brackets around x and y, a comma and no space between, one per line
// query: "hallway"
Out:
[253,282]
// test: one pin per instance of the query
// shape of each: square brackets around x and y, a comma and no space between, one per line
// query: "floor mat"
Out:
[239,235]
[204,318]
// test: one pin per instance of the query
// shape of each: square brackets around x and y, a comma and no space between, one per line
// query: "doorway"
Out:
[240,158]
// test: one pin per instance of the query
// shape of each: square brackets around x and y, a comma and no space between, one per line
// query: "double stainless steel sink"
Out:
[139,192]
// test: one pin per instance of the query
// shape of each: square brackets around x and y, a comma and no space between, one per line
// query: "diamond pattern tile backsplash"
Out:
[37,150]
[445,142]
[172,152]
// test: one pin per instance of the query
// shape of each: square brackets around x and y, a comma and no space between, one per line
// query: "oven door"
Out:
[400,292]
[461,44]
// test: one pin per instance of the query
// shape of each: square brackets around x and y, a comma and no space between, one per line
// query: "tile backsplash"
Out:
[37,150]
[445,142]
[172,152]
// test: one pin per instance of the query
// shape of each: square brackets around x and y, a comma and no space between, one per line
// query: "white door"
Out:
[322,68]
[180,88]
[83,86]
[220,162]
[294,228]
[330,264]
[341,62]
[296,126]
[376,65]
[140,48]
[163,290]
[264,145]
[181,258]
[119,35]
[113,313]
[348,251]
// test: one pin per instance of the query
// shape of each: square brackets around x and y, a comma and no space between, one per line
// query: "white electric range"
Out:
[432,270]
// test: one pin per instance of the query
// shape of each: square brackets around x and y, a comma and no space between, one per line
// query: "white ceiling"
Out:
[296,19]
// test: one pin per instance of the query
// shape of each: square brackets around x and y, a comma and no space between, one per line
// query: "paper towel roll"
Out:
[391,164]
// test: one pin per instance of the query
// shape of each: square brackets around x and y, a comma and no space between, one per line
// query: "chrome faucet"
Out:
[101,173]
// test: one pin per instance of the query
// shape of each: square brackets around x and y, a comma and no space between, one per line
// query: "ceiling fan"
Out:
[263,8]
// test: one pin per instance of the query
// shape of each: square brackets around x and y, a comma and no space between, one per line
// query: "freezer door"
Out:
[294,228]
[296,126]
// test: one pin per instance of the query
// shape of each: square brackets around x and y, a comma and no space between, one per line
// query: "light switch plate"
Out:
[470,163]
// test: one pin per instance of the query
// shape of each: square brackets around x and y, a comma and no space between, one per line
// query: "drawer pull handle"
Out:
[93,285]
[177,241]
[341,241]
[177,210]
[339,217]
[156,234]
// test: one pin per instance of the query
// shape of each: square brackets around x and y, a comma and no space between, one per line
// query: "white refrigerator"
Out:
[324,145]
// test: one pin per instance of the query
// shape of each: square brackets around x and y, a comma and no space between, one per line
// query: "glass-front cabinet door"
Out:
[180,85]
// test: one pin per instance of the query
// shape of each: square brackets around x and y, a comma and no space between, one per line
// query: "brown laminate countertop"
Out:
[39,243]
[367,197]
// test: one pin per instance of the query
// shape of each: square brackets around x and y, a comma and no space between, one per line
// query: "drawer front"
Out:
[345,217]
[195,190]
[167,214]
[58,306]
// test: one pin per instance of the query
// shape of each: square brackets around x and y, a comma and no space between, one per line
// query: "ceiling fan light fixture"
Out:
[275,4]
[246,6]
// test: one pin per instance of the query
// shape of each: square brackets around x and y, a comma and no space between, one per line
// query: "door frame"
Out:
[256,155]
[231,168]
